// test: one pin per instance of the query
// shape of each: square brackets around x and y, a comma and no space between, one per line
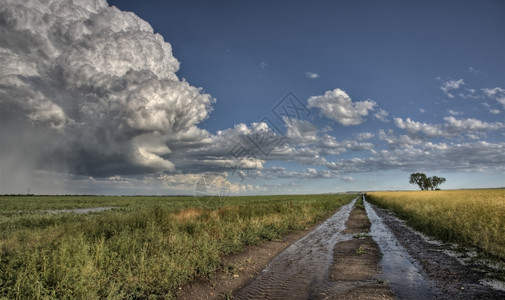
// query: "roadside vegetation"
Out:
[147,247]
[468,217]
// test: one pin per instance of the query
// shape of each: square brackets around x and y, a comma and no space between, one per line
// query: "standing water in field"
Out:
[300,269]
[80,210]
[398,267]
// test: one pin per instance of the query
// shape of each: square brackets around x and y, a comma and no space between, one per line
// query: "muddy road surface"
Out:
[443,275]
[300,271]
[361,252]
[338,260]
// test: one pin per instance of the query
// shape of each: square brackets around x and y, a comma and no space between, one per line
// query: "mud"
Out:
[240,269]
[300,271]
[452,279]
[349,256]
[356,272]
[237,270]
[406,277]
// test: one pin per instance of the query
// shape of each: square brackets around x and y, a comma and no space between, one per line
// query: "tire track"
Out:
[302,269]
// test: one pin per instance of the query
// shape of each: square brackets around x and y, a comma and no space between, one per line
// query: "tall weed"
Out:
[145,248]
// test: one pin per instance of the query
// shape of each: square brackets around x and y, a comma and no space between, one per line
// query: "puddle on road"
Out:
[79,210]
[301,271]
[404,275]
[303,267]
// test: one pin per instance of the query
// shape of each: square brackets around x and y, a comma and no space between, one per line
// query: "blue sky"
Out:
[383,88]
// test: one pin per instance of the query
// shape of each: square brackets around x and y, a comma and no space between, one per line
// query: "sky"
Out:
[249,97]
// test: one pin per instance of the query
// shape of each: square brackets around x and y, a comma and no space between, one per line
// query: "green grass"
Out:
[359,203]
[145,248]
[468,217]
[361,250]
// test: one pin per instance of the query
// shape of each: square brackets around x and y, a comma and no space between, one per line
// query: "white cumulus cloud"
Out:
[301,131]
[338,106]
[95,80]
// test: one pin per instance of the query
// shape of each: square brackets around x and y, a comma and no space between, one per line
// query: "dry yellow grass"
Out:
[188,214]
[470,217]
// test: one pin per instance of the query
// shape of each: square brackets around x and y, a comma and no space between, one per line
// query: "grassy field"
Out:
[468,217]
[144,248]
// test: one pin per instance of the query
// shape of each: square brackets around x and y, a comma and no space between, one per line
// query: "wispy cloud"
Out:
[365,136]
[469,94]
[311,75]
[469,157]
[347,179]
[382,115]
[454,113]
[497,93]
[450,85]
[472,70]
[450,128]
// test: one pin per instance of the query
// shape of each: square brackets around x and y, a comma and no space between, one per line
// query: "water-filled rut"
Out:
[301,269]
[401,271]
[344,259]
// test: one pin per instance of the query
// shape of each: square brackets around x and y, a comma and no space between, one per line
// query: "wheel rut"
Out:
[356,271]
[338,260]
[301,271]
[361,252]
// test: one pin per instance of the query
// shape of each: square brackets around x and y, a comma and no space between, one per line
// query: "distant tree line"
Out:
[426,183]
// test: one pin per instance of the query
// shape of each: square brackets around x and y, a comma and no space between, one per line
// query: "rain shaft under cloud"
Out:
[89,89]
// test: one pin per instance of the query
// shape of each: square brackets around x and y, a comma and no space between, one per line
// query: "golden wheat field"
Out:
[469,217]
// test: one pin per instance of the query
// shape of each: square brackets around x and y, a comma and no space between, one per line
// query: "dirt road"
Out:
[300,271]
[358,253]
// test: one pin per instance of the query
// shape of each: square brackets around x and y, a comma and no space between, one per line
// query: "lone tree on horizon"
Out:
[426,183]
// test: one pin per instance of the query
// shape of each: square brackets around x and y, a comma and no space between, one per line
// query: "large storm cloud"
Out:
[88,89]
